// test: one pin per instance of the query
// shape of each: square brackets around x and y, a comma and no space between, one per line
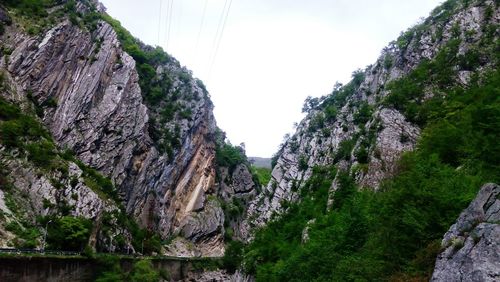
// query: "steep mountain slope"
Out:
[380,168]
[99,131]
[128,110]
[364,126]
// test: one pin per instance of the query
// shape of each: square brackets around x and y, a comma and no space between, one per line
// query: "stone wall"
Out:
[33,269]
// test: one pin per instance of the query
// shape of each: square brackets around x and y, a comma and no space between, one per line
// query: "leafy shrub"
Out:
[233,256]
[346,189]
[18,128]
[233,209]
[363,114]
[108,269]
[41,153]
[338,98]
[361,155]
[344,150]
[387,62]
[230,156]
[143,271]
[404,39]
[330,113]
[310,104]
[358,76]
[303,162]
[470,60]
[316,122]
[27,236]
[68,233]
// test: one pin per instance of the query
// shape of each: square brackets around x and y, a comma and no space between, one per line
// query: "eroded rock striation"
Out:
[159,151]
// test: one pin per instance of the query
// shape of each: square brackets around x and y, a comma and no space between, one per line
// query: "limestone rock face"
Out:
[237,189]
[472,244]
[91,101]
[322,138]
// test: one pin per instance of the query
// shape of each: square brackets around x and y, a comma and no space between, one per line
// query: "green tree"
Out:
[143,272]
[233,256]
[68,233]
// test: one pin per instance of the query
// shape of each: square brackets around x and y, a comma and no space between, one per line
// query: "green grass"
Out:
[263,174]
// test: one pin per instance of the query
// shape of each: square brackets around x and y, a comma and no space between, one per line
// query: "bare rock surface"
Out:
[98,111]
[472,244]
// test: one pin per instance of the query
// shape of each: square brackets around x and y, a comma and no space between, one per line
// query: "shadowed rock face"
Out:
[472,245]
[98,111]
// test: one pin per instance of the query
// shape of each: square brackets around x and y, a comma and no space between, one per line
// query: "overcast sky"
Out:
[272,54]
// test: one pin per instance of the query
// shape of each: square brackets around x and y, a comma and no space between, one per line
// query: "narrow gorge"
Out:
[109,145]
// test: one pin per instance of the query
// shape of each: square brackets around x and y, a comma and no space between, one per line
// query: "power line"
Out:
[166,22]
[169,21]
[201,26]
[159,23]
[179,20]
[225,14]
[221,20]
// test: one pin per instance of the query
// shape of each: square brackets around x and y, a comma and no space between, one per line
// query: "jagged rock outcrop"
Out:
[160,155]
[34,192]
[472,245]
[237,189]
[100,115]
[353,129]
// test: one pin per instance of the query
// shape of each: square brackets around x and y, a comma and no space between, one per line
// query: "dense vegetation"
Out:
[109,269]
[263,174]
[68,233]
[229,156]
[394,233]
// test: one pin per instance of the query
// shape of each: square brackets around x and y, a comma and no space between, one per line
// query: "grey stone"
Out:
[101,116]
[472,245]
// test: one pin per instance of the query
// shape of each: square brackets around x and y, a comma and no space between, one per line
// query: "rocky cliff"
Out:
[471,246]
[379,169]
[99,131]
[126,109]
[362,127]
